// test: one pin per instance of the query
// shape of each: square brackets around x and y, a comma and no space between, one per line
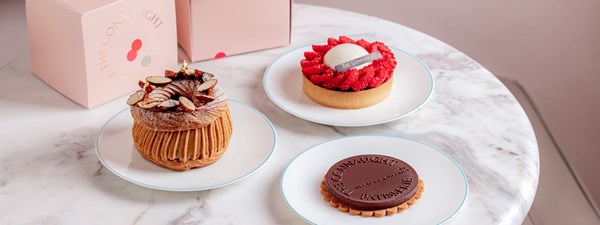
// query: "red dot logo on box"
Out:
[220,55]
[136,45]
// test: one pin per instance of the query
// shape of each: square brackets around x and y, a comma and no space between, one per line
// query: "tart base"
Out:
[346,100]
[371,213]
[186,149]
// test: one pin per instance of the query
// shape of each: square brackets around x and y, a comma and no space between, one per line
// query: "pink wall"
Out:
[551,47]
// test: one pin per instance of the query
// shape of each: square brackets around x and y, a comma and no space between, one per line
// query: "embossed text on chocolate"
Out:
[406,183]
[400,171]
[342,167]
[343,189]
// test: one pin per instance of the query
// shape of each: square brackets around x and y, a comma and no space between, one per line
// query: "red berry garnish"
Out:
[335,82]
[389,62]
[350,79]
[332,42]
[393,62]
[389,74]
[329,70]
[321,48]
[344,39]
[376,82]
[313,70]
[363,82]
[372,48]
[308,63]
[381,47]
[319,59]
[312,55]
[379,78]
[319,79]
[363,43]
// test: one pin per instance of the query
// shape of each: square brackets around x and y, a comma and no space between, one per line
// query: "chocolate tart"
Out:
[371,185]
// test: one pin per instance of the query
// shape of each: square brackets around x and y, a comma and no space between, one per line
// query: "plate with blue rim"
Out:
[446,186]
[251,146]
[412,87]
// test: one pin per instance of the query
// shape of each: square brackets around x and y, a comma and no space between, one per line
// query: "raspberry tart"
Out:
[181,120]
[348,74]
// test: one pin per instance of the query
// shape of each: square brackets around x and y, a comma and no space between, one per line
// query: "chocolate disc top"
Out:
[371,182]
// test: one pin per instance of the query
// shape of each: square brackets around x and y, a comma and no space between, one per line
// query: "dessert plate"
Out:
[413,86]
[251,145]
[445,193]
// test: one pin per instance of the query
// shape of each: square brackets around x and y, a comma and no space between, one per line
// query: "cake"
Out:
[348,74]
[181,120]
[371,185]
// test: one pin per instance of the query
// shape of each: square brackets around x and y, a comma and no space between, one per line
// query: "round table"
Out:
[51,175]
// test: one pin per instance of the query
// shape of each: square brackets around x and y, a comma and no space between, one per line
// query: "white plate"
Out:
[251,145]
[445,183]
[413,86]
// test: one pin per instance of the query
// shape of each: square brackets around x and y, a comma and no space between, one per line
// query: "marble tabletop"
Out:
[51,174]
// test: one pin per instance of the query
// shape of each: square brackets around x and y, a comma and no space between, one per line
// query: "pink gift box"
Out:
[215,28]
[93,51]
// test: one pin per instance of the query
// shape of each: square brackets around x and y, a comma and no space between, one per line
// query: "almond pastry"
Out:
[176,125]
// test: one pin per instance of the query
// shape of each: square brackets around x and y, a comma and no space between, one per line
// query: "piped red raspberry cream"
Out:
[348,74]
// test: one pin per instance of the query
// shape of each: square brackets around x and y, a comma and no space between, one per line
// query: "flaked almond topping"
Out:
[149,88]
[207,85]
[158,80]
[170,74]
[207,76]
[168,104]
[186,104]
[190,72]
[198,74]
[210,92]
[205,98]
[199,103]
[149,104]
[142,83]
[136,97]
[203,94]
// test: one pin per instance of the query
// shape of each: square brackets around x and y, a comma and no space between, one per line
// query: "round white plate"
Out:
[413,86]
[445,183]
[251,145]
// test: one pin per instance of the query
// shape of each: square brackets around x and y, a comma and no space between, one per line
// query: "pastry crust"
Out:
[185,149]
[371,213]
[346,100]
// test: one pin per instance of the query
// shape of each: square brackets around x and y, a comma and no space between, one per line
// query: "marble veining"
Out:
[51,175]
